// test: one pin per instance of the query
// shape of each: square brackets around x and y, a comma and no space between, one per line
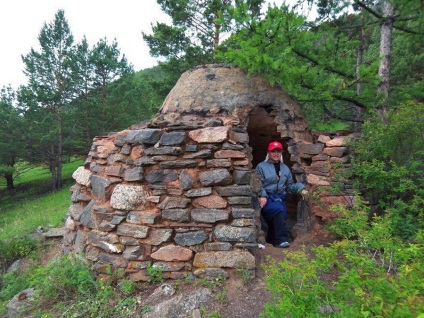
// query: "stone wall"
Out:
[179,200]
[179,192]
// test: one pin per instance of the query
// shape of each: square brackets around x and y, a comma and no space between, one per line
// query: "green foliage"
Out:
[68,287]
[155,274]
[12,284]
[15,248]
[62,278]
[391,175]
[375,275]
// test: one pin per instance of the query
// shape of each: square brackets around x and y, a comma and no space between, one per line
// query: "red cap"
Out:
[274,145]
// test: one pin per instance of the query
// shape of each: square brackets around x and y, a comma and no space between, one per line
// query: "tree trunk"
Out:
[9,181]
[383,88]
[359,58]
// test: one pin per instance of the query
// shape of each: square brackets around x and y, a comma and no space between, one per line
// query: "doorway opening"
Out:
[262,129]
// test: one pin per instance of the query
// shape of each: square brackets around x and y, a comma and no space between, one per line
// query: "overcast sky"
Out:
[21,22]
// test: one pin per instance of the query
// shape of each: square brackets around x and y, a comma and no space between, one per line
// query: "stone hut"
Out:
[179,192]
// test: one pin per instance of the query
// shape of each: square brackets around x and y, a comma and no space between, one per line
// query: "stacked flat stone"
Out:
[176,197]
[326,163]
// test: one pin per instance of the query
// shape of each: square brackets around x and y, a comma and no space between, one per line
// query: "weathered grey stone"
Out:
[117,219]
[86,218]
[239,200]
[310,149]
[164,158]
[173,203]
[144,136]
[106,241]
[126,149]
[166,175]
[178,215]
[215,177]
[82,176]
[227,145]
[191,148]
[234,190]
[134,174]
[80,193]
[132,252]
[117,157]
[175,191]
[144,161]
[243,222]
[242,177]
[113,259]
[186,180]
[21,303]
[120,140]
[231,259]
[227,233]
[179,164]
[55,232]
[218,163]
[172,266]
[181,305]
[199,192]
[134,265]
[80,241]
[242,213]
[175,151]
[75,211]
[132,230]
[202,154]
[190,238]
[209,215]
[99,187]
[173,138]
[209,134]
[143,217]
[127,197]
[218,246]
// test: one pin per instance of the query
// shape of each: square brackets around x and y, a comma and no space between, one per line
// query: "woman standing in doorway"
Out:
[277,181]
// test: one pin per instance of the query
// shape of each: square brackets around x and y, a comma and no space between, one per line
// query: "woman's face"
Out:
[274,155]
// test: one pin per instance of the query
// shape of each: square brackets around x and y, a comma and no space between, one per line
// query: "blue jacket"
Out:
[266,171]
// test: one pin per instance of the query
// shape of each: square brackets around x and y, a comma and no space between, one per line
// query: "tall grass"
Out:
[30,205]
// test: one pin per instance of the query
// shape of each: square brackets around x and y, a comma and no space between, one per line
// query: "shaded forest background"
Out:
[355,58]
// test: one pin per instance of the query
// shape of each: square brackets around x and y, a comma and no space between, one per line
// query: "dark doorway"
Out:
[262,129]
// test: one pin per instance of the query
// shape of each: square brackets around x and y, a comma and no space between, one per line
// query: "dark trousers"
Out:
[275,215]
[277,232]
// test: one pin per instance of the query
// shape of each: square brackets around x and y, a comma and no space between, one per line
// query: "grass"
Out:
[30,205]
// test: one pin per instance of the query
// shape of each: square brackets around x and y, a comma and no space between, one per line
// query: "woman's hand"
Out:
[262,201]
[304,193]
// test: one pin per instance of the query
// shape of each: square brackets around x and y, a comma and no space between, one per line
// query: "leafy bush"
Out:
[14,249]
[388,163]
[63,277]
[375,275]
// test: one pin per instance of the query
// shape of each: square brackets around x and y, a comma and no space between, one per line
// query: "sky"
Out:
[21,22]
